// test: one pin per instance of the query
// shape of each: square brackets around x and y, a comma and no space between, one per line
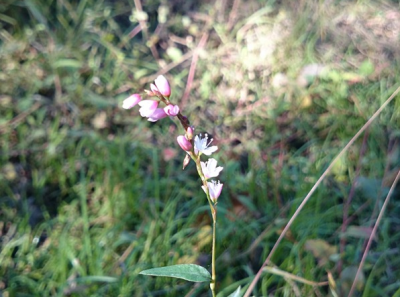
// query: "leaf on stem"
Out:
[236,293]
[189,272]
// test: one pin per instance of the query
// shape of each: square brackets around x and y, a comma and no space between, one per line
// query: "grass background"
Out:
[91,194]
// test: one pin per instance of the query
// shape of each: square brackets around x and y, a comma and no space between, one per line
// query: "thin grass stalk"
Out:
[371,237]
[319,181]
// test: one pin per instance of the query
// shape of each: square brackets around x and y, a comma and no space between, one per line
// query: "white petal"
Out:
[211,164]
[208,151]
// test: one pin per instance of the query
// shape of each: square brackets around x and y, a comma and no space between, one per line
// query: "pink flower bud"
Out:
[147,107]
[163,86]
[189,133]
[154,89]
[184,143]
[171,110]
[131,101]
[158,114]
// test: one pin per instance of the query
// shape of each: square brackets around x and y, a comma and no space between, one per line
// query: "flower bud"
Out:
[154,89]
[171,110]
[162,85]
[131,101]
[186,161]
[184,143]
[189,133]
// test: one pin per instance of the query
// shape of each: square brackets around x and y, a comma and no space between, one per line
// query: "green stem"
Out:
[213,274]
[213,209]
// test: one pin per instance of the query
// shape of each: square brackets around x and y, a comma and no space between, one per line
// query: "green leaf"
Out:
[366,68]
[33,9]
[236,293]
[67,63]
[189,272]
[97,278]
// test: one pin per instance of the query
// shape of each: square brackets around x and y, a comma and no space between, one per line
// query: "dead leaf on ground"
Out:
[321,250]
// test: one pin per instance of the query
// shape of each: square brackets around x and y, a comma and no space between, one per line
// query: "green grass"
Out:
[88,198]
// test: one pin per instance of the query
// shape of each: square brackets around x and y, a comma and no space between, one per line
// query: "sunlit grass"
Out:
[89,197]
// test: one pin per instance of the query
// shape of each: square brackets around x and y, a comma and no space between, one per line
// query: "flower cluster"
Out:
[149,108]
[195,146]
[209,168]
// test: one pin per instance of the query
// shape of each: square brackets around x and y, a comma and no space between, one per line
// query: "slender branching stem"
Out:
[213,207]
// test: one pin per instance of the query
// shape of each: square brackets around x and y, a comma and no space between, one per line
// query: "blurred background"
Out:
[91,194]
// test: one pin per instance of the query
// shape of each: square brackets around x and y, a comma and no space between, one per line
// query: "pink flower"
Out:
[201,145]
[210,168]
[158,114]
[214,190]
[147,107]
[162,85]
[171,110]
[131,101]
[184,143]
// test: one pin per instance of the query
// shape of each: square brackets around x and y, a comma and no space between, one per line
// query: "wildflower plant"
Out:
[195,146]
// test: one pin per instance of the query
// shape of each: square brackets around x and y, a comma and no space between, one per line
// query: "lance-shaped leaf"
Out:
[236,293]
[189,272]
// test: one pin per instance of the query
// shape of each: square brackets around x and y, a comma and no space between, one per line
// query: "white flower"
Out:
[214,190]
[210,168]
[201,145]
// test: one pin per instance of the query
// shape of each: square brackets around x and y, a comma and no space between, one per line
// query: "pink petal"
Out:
[171,110]
[147,107]
[189,132]
[185,144]
[215,190]
[158,114]
[131,101]
[162,85]
[154,89]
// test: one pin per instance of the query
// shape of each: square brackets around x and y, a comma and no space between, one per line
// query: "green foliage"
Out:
[189,272]
[236,293]
[90,195]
